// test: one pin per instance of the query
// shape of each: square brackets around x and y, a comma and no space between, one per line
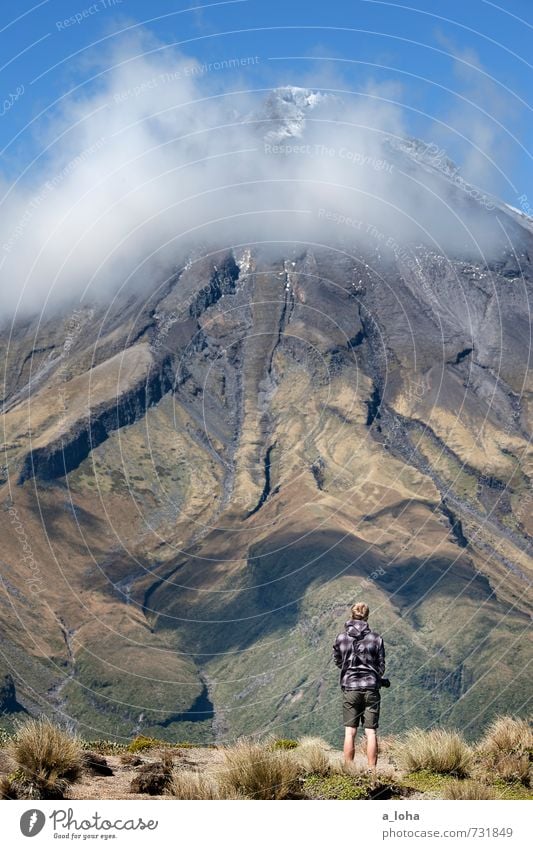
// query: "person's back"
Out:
[359,653]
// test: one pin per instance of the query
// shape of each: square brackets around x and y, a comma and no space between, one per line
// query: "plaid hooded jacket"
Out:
[360,655]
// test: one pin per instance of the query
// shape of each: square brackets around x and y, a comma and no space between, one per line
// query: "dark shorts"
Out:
[361,706]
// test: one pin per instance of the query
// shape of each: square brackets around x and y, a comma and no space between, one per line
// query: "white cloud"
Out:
[156,159]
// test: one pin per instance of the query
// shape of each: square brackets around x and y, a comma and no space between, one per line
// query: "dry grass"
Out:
[194,785]
[257,772]
[383,772]
[437,750]
[47,760]
[129,759]
[7,791]
[505,751]
[468,789]
[313,756]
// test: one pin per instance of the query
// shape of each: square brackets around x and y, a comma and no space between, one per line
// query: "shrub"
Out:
[283,743]
[312,756]
[468,789]
[505,751]
[103,747]
[47,760]
[437,751]
[258,772]
[140,743]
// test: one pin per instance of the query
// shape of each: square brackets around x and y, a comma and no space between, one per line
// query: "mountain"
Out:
[200,478]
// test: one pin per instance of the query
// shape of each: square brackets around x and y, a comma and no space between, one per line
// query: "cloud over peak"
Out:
[156,157]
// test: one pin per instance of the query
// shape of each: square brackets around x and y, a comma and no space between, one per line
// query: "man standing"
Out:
[360,655]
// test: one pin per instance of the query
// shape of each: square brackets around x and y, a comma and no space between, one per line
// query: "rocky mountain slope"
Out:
[197,482]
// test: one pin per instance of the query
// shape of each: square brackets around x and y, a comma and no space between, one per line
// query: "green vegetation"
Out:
[511,789]
[284,743]
[336,787]
[142,742]
[348,783]
[450,469]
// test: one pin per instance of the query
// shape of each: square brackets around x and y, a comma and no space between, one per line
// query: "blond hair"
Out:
[360,610]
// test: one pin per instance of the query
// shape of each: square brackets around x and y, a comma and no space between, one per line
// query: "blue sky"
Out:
[431,57]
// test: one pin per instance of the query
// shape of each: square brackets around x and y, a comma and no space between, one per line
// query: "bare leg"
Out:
[371,747]
[349,743]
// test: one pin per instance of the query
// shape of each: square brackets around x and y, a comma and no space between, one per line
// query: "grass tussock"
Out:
[468,789]
[506,751]
[258,772]
[195,785]
[47,761]
[187,784]
[313,756]
[438,751]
